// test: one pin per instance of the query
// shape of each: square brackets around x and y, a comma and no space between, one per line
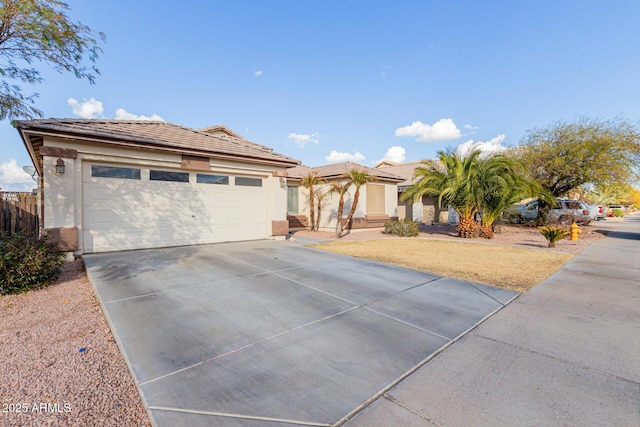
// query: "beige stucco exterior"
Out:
[329,213]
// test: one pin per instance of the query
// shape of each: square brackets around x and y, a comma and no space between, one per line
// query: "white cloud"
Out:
[90,109]
[442,130]
[489,148]
[257,73]
[301,139]
[395,154]
[13,178]
[338,157]
[122,114]
[470,127]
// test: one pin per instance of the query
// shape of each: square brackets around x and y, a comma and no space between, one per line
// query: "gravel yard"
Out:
[47,377]
[60,365]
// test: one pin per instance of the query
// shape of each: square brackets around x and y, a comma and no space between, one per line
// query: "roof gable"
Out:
[220,130]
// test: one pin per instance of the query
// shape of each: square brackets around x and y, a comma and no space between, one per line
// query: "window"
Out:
[212,179]
[375,199]
[292,200]
[114,172]
[168,176]
[248,182]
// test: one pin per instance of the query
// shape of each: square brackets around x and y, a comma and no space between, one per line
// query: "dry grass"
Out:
[507,267]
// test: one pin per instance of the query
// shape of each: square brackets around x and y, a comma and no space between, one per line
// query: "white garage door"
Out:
[129,207]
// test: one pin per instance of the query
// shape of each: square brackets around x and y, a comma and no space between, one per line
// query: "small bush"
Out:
[618,212]
[27,262]
[404,228]
[553,234]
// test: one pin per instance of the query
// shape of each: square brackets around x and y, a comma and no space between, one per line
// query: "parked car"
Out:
[612,208]
[597,212]
[569,211]
[523,212]
[566,212]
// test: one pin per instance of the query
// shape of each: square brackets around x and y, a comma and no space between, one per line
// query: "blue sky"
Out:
[327,81]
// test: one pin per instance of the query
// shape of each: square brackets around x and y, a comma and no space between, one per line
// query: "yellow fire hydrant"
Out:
[575,231]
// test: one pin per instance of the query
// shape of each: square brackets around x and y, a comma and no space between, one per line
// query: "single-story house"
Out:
[378,200]
[110,185]
[426,209]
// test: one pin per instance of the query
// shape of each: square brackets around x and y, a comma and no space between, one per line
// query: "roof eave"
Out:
[148,144]
[32,153]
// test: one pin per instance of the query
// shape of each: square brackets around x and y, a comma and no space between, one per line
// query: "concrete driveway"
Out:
[269,333]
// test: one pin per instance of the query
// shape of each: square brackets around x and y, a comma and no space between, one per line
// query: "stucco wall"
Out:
[329,214]
[60,190]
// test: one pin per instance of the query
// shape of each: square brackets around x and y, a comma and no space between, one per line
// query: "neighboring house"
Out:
[424,210]
[111,185]
[378,198]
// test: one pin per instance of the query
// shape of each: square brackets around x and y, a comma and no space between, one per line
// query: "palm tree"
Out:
[320,196]
[358,178]
[340,187]
[309,181]
[454,182]
[472,184]
[502,183]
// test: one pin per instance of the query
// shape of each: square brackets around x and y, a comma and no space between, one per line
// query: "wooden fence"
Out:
[18,212]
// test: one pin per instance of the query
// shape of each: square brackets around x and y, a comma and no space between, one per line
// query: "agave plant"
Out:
[553,234]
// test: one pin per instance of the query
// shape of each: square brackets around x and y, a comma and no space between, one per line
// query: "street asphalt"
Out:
[271,333]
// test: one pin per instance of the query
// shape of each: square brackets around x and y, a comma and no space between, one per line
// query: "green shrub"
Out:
[618,212]
[405,228]
[553,234]
[27,262]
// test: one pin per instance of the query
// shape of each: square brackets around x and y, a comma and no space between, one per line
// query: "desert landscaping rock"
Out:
[59,363]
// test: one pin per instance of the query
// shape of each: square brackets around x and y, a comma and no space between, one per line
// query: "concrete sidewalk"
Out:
[565,353]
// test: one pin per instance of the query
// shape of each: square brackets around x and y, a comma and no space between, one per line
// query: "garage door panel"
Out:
[131,214]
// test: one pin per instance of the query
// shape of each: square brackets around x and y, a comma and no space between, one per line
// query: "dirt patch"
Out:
[59,363]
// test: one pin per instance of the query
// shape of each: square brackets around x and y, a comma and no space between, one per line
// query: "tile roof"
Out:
[338,170]
[299,171]
[404,170]
[157,135]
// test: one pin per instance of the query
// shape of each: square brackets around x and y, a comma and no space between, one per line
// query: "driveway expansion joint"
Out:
[220,356]
[240,416]
[557,359]
[418,413]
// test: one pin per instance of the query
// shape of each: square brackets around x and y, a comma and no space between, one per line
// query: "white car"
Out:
[570,211]
[565,212]
[597,212]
